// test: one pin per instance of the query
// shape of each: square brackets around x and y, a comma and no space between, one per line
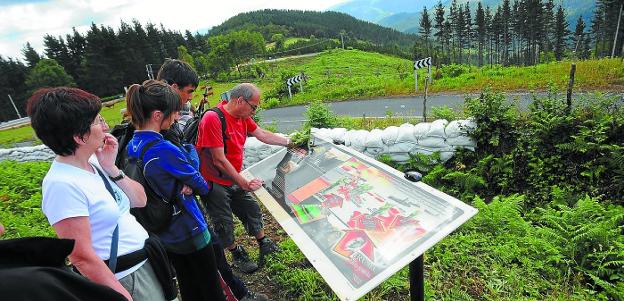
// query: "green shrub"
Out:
[270,103]
[444,112]
[318,115]
[454,70]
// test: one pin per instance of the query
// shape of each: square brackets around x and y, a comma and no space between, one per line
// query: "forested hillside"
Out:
[318,24]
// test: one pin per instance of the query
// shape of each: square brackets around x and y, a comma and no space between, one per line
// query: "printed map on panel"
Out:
[363,218]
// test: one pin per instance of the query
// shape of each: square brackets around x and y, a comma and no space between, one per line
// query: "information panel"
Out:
[357,220]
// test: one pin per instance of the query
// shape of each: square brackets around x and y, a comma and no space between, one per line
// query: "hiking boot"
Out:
[267,246]
[242,261]
[253,296]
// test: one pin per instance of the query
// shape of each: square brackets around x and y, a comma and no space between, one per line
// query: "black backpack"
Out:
[123,132]
[192,126]
[158,212]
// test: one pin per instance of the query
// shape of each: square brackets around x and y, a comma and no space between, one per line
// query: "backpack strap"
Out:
[112,258]
[145,148]
[223,126]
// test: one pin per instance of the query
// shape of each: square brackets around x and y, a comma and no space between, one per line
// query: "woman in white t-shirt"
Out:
[77,201]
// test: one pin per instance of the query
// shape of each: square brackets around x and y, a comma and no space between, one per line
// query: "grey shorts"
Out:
[143,285]
[222,201]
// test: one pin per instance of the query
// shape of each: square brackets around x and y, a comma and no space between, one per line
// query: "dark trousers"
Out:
[236,285]
[197,275]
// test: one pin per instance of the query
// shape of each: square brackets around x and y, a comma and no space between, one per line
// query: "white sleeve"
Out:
[63,200]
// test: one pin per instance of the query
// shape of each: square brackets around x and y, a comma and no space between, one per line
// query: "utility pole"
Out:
[14,107]
[570,85]
[425,100]
[150,72]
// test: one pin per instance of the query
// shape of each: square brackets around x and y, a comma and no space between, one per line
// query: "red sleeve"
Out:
[251,125]
[209,132]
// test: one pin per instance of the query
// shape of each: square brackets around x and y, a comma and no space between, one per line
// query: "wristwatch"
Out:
[118,177]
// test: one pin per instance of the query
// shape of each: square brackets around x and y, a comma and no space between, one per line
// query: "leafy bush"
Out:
[318,115]
[454,70]
[270,103]
[444,112]
[497,121]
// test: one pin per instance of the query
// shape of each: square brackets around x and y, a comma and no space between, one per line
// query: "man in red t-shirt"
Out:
[230,190]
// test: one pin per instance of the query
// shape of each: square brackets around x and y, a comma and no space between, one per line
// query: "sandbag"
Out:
[421,129]
[458,128]
[404,147]
[445,156]
[356,139]
[373,139]
[406,134]
[432,142]
[437,128]
[323,132]
[390,135]
[338,134]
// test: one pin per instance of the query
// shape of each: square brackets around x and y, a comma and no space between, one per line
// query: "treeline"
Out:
[522,32]
[102,61]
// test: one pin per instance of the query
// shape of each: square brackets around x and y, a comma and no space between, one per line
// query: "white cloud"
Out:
[30,22]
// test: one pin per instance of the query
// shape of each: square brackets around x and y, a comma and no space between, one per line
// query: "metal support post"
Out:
[425,101]
[430,79]
[14,107]
[417,279]
[416,79]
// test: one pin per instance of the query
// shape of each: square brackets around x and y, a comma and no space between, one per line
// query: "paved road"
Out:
[290,118]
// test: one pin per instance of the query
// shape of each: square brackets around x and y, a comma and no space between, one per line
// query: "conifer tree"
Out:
[506,31]
[439,26]
[425,29]
[468,34]
[481,30]
[579,39]
[56,49]
[30,55]
[76,44]
[561,33]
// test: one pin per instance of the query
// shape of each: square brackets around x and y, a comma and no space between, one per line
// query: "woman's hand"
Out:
[107,153]
[186,190]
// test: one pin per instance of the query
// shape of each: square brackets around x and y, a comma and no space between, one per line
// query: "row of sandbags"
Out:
[27,154]
[399,142]
[255,151]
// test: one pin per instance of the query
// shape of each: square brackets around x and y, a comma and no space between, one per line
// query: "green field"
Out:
[338,74]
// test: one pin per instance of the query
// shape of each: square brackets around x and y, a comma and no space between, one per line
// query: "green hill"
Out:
[309,23]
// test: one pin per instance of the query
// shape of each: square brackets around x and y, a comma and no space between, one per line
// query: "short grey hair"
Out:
[246,90]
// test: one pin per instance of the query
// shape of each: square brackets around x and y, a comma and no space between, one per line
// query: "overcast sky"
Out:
[24,21]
